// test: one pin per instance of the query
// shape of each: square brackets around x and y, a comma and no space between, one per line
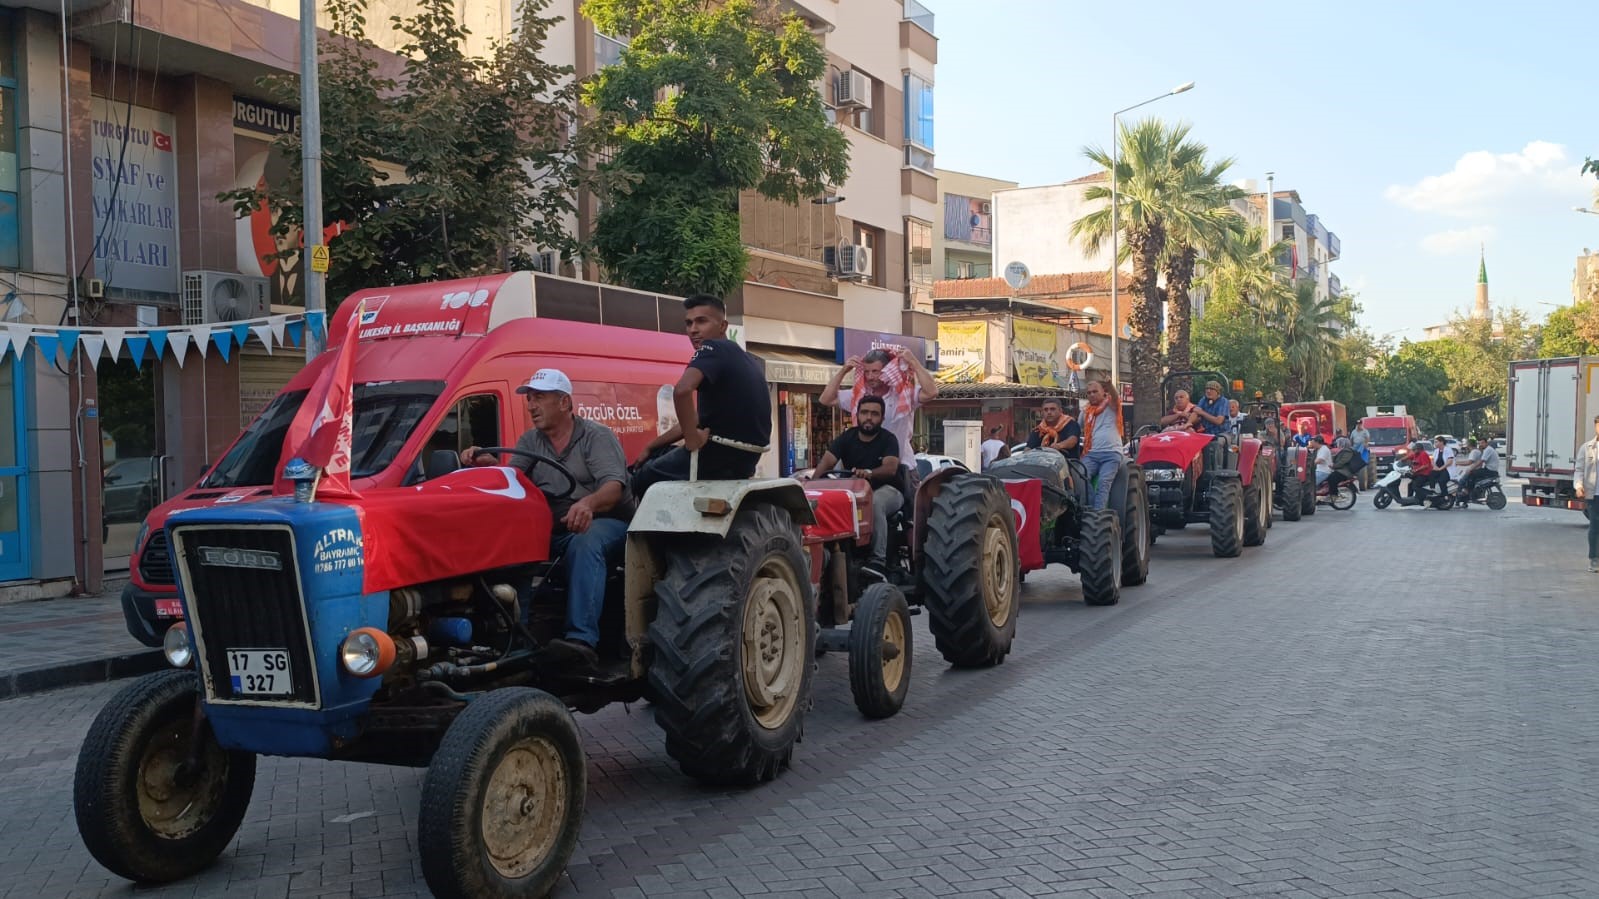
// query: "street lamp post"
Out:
[1115,235]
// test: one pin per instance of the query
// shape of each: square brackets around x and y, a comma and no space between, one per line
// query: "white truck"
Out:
[1552,406]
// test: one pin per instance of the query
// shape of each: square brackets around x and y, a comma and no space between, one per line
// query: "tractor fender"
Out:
[1248,451]
[709,507]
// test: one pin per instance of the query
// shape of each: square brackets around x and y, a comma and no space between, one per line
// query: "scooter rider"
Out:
[1421,472]
[724,409]
[1485,468]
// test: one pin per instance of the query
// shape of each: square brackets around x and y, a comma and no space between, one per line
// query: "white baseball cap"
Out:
[547,380]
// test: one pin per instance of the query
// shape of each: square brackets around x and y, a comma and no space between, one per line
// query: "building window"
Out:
[919,262]
[1288,232]
[10,242]
[919,119]
[607,50]
[871,238]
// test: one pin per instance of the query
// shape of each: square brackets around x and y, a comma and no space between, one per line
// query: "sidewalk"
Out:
[51,643]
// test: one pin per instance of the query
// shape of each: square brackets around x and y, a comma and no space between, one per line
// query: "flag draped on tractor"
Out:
[323,429]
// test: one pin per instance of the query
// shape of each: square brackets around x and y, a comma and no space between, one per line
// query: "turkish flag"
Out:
[334,230]
[1025,498]
[163,141]
[1174,447]
[322,431]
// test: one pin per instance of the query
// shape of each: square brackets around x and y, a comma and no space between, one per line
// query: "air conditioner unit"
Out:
[854,262]
[211,297]
[854,89]
[964,270]
[985,208]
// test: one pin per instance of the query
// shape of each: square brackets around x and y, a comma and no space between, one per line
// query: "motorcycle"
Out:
[1486,491]
[1341,497]
[1387,492]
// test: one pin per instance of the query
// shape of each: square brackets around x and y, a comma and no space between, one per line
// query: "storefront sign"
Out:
[1033,352]
[264,118]
[962,351]
[849,342]
[135,179]
[785,372]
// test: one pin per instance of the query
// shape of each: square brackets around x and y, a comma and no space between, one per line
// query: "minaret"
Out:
[1480,309]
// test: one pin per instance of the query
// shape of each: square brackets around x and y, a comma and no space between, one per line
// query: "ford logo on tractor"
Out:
[228,557]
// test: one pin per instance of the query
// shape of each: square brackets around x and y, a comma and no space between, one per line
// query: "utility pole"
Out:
[311,167]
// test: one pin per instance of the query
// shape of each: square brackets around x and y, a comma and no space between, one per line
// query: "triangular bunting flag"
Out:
[276,324]
[178,341]
[113,341]
[19,338]
[93,344]
[158,343]
[241,333]
[317,322]
[48,345]
[201,341]
[264,332]
[136,347]
[224,342]
[296,331]
[69,340]
[5,343]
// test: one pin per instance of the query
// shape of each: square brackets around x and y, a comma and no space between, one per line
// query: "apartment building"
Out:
[173,88]
[963,239]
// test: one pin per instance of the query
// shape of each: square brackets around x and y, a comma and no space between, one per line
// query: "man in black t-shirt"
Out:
[1057,430]
[871,453]
[724,409]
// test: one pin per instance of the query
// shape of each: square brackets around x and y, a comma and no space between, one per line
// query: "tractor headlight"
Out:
[175,646]
[367,652]
[1164,474]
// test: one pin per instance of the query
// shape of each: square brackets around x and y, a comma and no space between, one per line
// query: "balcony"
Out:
[920,16]
[1335,247]
[607,50]
[963,271]
[1334,286]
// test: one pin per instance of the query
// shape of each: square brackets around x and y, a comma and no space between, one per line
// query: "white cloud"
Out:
[1482,181]
[1459,240]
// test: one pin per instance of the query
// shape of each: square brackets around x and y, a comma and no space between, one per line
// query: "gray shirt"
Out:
[1359,437]
[1106,439]
[1587,473]
[1490,460]
[593,456]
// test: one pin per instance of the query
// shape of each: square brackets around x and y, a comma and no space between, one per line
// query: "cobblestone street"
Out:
[1375,703]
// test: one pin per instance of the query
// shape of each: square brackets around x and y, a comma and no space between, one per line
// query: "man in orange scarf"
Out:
[1103,454]
[1057,430]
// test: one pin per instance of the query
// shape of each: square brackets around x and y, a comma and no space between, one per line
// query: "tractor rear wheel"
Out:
[1099,557]
[156,796]
[970,572]
[1136,536]
[502,801]
[1227,517]
[1257,508]
[880,641]
[1293,488]
[735,647]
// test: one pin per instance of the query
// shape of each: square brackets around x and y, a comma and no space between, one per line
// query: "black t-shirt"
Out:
[1073,428]
[853,452]
[733,399]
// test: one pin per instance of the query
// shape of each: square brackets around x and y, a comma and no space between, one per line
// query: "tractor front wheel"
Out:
[1227,517]
[1136,536]
[1099,557]
[880,643]
[1293,491]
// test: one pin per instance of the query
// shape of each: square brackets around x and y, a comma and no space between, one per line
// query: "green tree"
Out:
[708,100]
[1228,339]
[1150,174]
[1310,328]
[1248,270]
[1199,222]
[1415,376]
[1564,332]
[490,169]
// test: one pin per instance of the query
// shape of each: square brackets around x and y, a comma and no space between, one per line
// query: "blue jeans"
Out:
[586,558]
[1102,467]
[1592,511]
[1321,476]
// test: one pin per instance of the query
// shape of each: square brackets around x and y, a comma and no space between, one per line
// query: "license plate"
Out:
[260,672]
[169,608]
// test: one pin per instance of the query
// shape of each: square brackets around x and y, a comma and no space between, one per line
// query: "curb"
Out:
[74,674]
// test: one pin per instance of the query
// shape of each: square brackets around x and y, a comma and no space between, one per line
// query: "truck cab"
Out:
[1389,427]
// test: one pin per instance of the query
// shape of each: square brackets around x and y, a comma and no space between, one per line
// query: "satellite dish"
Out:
[1090,310]
[227,298]
[1127,331]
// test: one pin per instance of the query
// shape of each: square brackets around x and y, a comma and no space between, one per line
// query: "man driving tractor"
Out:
[871,452]
[591,523]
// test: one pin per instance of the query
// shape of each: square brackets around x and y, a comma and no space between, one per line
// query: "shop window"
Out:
[10,243]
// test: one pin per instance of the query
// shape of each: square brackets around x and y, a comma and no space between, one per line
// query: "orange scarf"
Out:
[1088,423]
[1052,435]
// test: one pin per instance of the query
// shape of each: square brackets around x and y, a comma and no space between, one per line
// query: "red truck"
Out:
[1326,417]
[1389,428]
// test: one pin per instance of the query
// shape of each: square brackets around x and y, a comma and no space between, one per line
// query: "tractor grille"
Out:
[155,561]
[239,600]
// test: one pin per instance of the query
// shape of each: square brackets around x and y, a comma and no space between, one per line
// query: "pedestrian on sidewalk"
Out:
[1586,482]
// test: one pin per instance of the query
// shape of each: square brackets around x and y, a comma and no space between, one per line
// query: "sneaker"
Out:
[574,656]
[872,573]
[1593,564]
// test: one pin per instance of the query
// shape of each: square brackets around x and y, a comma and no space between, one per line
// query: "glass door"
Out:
[130,456]
[14,542]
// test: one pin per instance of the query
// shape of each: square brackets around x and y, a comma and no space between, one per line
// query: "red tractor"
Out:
[1221,480]
[1294,487]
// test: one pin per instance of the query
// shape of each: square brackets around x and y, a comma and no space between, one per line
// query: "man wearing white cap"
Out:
[592,522]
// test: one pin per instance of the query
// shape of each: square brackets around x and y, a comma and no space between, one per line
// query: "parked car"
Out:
[926,464]
[129,489]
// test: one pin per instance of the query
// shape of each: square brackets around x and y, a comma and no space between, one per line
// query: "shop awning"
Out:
[1482,402]
[1002,390]
[788,365]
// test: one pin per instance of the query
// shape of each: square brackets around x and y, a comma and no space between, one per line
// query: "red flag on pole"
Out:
[323,430]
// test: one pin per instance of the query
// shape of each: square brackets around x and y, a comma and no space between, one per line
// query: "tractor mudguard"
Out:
[708,507]
[1248,451]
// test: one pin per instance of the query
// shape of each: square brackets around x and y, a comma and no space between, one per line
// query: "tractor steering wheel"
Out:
[571,482]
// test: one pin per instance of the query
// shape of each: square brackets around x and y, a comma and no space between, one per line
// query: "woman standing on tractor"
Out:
[1103,454]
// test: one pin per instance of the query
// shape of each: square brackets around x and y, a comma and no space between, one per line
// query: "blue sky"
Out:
[1414,129]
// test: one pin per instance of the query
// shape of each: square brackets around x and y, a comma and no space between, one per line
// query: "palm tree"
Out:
[1244,270]
[1149,175]
[1308,327]
[1199,222]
